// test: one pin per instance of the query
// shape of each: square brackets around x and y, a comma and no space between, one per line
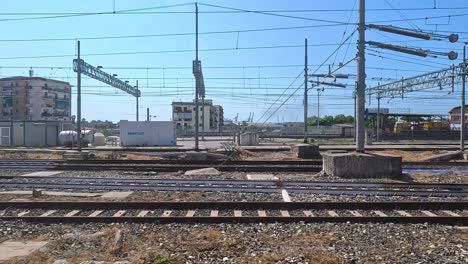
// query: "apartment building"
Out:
[34,98]
[183,113]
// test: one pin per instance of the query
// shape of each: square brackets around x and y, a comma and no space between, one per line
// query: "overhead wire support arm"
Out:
[452,55]
[415,34]
[440,78]
[100,75]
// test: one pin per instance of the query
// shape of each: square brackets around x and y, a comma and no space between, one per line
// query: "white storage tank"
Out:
[99,139]
[67,138]
[147,133]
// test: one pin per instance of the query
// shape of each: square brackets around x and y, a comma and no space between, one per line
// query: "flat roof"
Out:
[27,78]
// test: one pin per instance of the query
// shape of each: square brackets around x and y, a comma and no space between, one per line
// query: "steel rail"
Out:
[366,208]
[244,189]
[276,183]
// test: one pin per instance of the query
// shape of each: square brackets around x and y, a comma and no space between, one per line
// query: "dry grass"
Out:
[171,245]
[30,155]
[411,155]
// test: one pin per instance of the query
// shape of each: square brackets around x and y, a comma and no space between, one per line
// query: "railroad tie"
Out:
[214,213]
[48,213]
[429,213]
[285,213]
[333,213]
[119,213]
[403,213]
[308,213]
[95,213]
[72,213]
[356,213]
[167,213]
[261,213]
[143,213]
[380,213]
[451,213]
[190,213]
[237,213]
[23,213]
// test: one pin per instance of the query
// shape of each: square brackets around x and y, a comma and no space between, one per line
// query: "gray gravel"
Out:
[249,243]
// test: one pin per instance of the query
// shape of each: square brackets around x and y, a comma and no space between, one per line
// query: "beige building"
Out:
[34,98]
[183,113]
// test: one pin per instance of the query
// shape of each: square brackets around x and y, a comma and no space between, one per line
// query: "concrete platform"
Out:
[361,165]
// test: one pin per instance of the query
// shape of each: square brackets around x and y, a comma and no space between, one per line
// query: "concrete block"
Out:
[115,195]
[249,139]
[306,151]
[12,249]
[361,165]
[43,173]
[204,171]
[261,177]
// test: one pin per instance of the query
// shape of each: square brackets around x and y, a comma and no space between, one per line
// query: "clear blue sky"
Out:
[247,88]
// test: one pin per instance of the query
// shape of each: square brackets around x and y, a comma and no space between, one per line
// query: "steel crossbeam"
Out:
[104,77]
[447,77]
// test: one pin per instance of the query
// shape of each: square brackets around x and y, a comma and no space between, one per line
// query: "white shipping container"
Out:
[148,133]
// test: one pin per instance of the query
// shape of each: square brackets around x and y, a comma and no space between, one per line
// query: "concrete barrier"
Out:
[361,165]
[306,151]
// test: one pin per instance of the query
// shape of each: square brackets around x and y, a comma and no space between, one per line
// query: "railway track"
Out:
[309,187]
[452,213]
[176,165]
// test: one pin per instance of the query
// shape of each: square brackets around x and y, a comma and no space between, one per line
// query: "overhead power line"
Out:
[205,67]
[168,51]
[94,13]
[125,12]
[166,34]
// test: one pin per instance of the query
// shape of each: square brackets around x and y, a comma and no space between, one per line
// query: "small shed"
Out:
[147,133]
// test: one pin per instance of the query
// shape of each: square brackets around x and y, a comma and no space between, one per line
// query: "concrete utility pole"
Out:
[137,106]
[361,79]
[318,106]
[78,98]
[147,114]
[197,82]
[462,109]
[306,101]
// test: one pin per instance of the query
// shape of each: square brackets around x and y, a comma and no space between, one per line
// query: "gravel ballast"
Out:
[246,243]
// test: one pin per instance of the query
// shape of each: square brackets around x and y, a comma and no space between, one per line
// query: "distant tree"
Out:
[330,120]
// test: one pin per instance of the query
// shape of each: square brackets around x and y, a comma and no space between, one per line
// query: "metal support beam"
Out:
[197,82]
[462,109]
[378,118]
[78,70]
[137,105]
[203,117]
[361,78]
[447,77]
[104,77]
[306,81]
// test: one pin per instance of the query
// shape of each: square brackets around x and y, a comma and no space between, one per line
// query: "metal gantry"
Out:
[100,75]
[447,77]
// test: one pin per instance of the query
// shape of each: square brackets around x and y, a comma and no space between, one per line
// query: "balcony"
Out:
[182,115]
